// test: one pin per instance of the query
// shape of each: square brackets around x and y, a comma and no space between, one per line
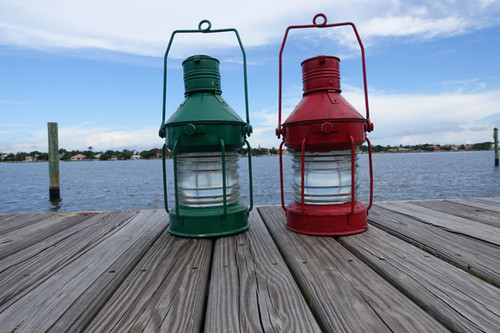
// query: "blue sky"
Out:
[96,67]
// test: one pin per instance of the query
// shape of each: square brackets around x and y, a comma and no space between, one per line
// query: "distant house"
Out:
[452,147]
[434,148]
[135,157]
[29,158]
[78,157]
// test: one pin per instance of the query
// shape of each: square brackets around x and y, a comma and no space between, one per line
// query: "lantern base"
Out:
[208,222]
[327,220]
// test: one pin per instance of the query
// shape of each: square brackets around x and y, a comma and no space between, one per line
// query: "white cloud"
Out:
[414,119]
[80,137]
[145,27]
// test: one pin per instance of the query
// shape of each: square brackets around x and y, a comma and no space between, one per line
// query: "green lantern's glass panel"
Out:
[200,179]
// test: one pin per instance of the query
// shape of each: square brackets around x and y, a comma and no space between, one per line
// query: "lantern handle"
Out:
[164,169]
[203,27]
[249,153]
[281,176]
[323,24]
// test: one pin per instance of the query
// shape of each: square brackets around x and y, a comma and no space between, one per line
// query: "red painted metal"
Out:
[324,121]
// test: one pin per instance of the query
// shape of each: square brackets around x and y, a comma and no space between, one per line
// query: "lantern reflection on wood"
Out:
[324,132]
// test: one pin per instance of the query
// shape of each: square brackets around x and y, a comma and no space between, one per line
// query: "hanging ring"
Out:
[207,22]
[323,16]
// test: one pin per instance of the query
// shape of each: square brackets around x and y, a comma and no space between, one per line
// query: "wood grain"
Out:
[346,294]
[165,292]
[454,208]
[251,288]
[26,269]
[40,308]
[446,221]
[491,204]
[36,230]
[454,297]
[476,256]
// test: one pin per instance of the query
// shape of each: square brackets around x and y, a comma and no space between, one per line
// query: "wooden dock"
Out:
[423,266]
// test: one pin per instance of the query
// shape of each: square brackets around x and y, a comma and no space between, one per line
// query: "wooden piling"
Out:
[495,137]
[54,192]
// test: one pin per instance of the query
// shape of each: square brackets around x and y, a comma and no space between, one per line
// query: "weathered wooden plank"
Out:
[165,292]
[26,269]
[457,209]
[476,256]
[42,307]
[345,293]
[251,288]
[455,298]
[9,222]
[491,204]
[449,222]
[32,233]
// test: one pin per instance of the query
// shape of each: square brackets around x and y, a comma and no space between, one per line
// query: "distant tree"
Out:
[125,154]
[482,146]
[149,154]
[363,149]
[43,157]
[89,154]
[105,156]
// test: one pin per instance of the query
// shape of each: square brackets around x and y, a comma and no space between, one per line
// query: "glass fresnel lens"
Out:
[327,177]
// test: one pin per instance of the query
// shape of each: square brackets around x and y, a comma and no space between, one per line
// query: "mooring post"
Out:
[495,139]
[54,193]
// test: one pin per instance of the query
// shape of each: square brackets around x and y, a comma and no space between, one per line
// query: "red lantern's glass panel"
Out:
[200,179]
[327,177]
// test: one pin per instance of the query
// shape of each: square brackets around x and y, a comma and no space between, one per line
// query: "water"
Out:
[91,186]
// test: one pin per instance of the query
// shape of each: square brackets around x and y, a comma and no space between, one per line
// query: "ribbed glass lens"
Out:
[327,177]
[200,179]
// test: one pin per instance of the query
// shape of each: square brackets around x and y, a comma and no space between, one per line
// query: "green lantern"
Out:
[204,135]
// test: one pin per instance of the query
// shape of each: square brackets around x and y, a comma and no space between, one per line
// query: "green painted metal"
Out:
[207,222]
[164,170]
[249,152]
[204,122]
[207,29]
[204,116]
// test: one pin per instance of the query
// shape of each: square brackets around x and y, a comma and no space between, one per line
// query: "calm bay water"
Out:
[91,186]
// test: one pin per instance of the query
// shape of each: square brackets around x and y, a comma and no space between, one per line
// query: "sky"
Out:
[96,67]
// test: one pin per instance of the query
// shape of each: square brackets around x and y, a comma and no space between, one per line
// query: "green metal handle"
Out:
[224,185]
[207,29]
[176,185]
[163,151]
[250,175]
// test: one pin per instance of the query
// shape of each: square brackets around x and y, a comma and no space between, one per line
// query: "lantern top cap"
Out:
[321,73]
[201,73]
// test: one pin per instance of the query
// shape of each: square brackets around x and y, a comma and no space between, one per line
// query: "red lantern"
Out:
[324,132]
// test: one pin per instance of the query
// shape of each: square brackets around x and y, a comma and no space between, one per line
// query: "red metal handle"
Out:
[353,173]
[281,177]
[371,172]
[368,125]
